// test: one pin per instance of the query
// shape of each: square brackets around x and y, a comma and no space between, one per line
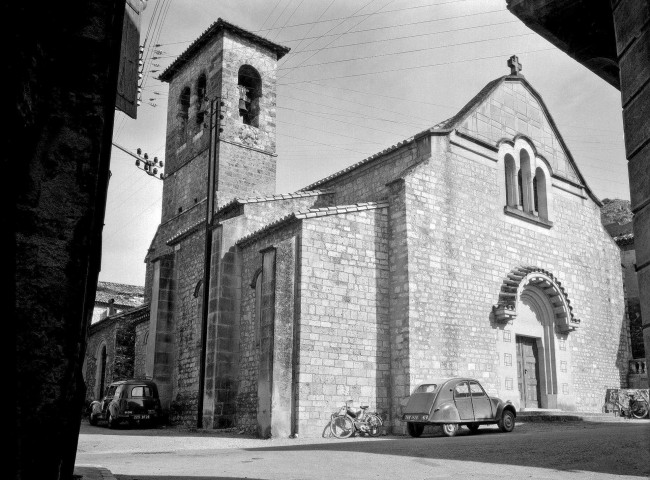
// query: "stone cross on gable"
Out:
[515,66]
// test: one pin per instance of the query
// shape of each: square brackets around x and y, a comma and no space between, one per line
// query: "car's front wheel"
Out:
[414,429]
[507,422]
[450,429]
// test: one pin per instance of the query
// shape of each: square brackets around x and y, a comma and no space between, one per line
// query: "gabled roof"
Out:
[310,213]
[208,35]
[455,122]
[123,295]
[270,198]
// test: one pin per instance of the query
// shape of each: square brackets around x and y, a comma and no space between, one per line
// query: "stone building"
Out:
[617,218]
[111,351]
[472,248]
[113,298]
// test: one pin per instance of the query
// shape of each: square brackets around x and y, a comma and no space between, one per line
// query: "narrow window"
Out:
[526,194]
[100,371]
[520,189]
[257,283]
[201,103]
[249,84]
[184,102]
[541,194]
[511,181]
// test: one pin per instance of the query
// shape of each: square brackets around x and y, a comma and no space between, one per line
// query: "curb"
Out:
[92,472]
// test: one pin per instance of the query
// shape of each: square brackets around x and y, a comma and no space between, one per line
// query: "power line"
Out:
[367,14]
[501,55]
[408,51]
[268,16]
[334,27]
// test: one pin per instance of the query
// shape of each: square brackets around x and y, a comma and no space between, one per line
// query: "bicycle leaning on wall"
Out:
[346,422]
[626,404]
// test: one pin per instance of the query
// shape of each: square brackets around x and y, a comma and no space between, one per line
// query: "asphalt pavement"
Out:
[572,450]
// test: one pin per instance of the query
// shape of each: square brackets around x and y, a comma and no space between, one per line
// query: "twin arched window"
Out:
[526,184]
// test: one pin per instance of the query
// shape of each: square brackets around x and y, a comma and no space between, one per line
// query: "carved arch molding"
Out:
[521,277]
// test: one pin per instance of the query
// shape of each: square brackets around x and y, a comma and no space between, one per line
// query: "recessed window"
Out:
[249,84]
[184,105]
[201,99]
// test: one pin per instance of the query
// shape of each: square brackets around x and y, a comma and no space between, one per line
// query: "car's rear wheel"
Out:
[415,429]
[507,422]
[473,427]
[450,429]
[92,420]
[112,423]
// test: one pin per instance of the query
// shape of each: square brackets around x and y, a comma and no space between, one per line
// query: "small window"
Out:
[428,388]
[461,390]
[476,389]
[141,392]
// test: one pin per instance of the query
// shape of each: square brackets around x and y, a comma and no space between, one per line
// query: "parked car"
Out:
[133,401]
[454,402]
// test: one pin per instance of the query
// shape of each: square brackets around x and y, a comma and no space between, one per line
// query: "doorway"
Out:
[528,372]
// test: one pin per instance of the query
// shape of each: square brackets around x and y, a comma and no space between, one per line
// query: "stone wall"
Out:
[249,332]
[461,247]
[104,335]
[344,324]
[141,339]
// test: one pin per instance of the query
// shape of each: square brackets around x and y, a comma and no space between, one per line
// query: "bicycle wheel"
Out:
[374,424]
[639,409]
[342,426]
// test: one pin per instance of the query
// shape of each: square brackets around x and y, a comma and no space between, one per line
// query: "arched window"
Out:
[201,103]
[525,181]
[184,104]
[511,181]
[249,83]
[541,193]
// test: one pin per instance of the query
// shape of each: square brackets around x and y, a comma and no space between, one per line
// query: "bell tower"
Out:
[226,75]
[237,68]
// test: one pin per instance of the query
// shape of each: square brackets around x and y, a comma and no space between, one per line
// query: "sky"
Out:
[361,76]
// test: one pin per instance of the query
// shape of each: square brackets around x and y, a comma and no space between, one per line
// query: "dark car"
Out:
[134,401]
[454,402]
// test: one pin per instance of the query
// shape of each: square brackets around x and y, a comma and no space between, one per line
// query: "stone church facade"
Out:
[474,248]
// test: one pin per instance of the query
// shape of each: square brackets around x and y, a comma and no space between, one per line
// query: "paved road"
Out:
[572,450]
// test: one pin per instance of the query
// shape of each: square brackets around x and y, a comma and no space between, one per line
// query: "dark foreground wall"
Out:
[61,65]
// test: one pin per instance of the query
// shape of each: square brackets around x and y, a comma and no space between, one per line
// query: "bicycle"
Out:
[631,406]
[345,422]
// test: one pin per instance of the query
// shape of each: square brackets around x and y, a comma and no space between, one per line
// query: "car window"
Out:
[461,390]
[110,391]
[118,390]
[428,388]
[476,389]
[141,391]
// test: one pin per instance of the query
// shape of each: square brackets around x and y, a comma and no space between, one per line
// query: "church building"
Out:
[474,248]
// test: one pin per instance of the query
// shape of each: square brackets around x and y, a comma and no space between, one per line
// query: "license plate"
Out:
[415,417]
[140,417]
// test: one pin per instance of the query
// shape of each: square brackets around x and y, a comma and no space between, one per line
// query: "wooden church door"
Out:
[527,372]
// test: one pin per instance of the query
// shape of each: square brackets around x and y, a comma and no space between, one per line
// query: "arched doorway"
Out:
[100,370]
[535,317]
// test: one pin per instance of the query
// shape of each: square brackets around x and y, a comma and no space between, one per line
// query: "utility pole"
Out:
[216,116]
